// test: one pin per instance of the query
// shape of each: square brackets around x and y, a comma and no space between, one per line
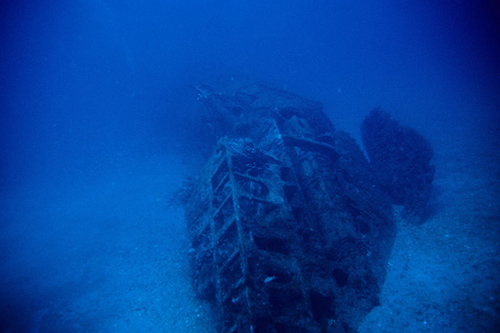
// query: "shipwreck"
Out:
[290,225]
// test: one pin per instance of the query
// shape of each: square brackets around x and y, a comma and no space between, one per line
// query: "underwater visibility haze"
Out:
[101,124]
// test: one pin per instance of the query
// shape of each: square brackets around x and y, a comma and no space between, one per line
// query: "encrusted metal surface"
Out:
[289,232]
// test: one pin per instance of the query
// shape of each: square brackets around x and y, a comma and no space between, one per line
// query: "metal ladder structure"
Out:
[287,232]
[249,243]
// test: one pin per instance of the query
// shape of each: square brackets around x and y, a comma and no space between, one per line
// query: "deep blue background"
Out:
[90,88]
[83,79]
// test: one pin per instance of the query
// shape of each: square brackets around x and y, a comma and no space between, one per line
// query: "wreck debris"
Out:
[289,229]
[401,161]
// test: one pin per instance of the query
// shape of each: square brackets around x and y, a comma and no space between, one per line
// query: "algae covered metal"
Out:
[289,230]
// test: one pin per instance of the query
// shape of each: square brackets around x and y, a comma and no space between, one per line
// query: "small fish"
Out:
[269,279]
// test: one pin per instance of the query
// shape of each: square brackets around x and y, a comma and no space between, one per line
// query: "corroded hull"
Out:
[289,231]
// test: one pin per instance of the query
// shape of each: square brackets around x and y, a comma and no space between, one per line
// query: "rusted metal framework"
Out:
[289,232]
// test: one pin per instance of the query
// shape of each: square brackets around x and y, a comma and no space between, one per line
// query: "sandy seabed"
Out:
[110,255]
[443,275]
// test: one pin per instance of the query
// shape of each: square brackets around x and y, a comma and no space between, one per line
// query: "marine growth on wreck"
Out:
[290,225]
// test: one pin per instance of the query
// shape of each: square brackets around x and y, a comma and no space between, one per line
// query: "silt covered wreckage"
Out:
[290,225]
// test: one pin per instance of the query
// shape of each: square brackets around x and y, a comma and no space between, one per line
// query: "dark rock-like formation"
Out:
[289,231]
[401,161]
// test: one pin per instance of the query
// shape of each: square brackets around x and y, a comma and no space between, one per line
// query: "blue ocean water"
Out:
[99,129]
